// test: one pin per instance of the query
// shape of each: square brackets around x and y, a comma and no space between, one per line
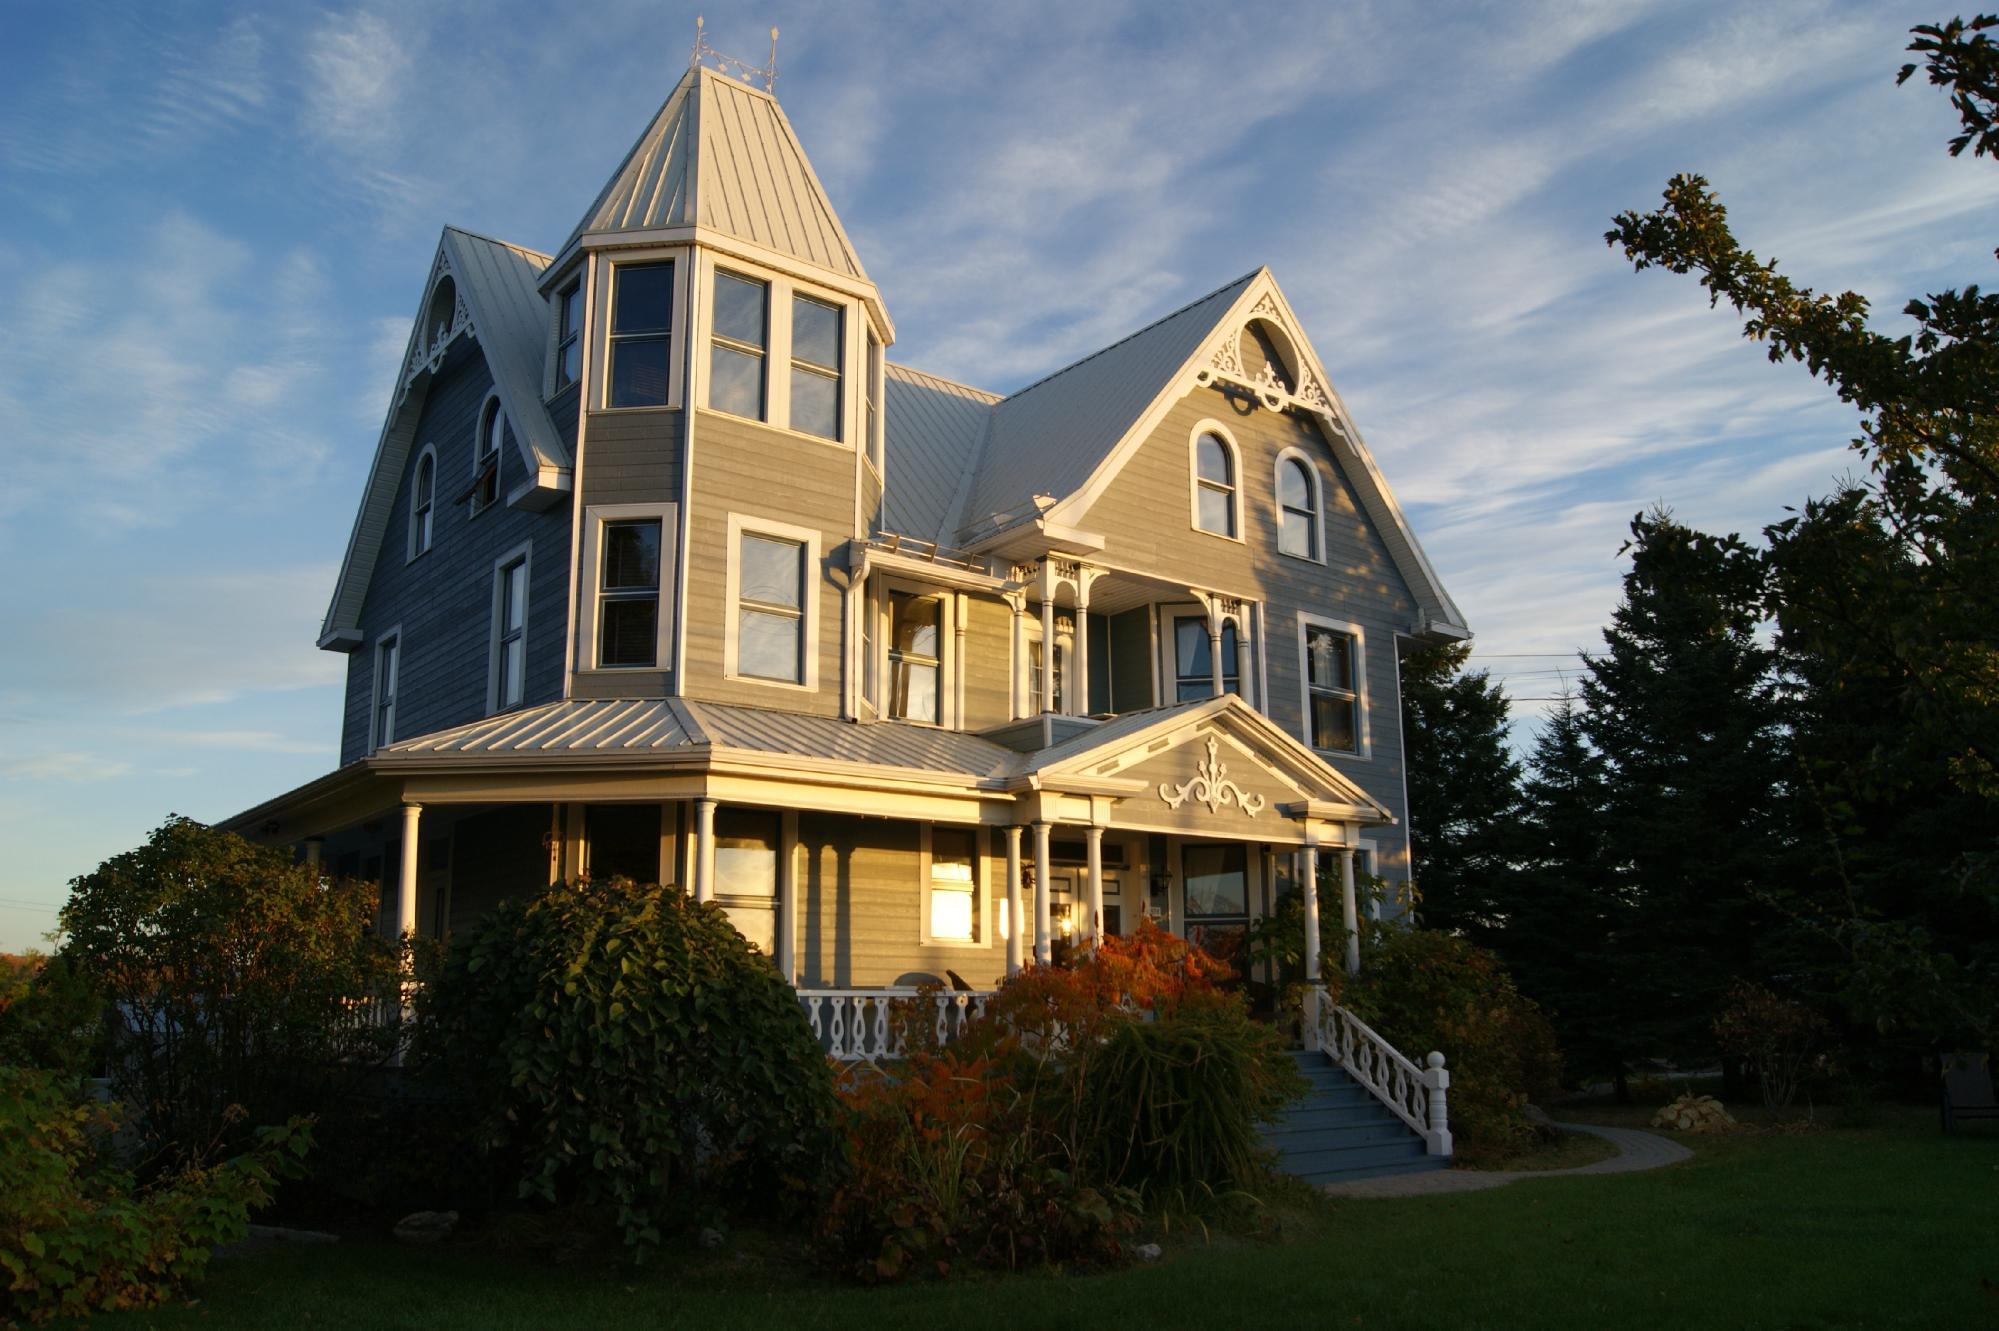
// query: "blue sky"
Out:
[215,223]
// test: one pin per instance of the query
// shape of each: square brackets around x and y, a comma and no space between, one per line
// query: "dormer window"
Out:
[641,334]
[486,457]
[816,366]
[741,335]
[423,502]
[1214,485]
[568,339]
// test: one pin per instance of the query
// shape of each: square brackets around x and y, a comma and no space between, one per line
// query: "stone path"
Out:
[1635,1150]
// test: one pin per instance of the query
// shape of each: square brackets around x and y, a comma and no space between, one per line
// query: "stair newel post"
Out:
[1438,1138]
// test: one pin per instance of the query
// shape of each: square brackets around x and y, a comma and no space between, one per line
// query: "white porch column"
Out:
[1093,840]
[1017,692]
[1349,915]
[406,879]
[1016,921]
[1047,653]
[1079,687]
[704,849]
[1244,666]
[1215,652]
[1043,951]
[787,898]
[313,848]
[1315,989]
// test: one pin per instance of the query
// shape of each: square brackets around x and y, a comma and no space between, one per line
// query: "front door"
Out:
[1216,878]
[1069,901]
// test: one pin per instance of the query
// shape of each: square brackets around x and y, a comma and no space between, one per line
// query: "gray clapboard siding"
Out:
[756,471]
[988,652]
[860,903]
[444,599]
[633,457]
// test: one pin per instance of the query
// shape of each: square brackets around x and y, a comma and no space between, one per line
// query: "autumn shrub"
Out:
[53,1019]
[1779,1038]
[79,1237]
[627,1050]
[1423,990]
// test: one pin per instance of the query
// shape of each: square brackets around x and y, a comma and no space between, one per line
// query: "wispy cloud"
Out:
[70,768]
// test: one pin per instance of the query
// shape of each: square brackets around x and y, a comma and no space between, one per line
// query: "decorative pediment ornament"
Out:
[1227,358]
[1211,787]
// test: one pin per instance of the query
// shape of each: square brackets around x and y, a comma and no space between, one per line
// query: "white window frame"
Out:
[1229,441]
[392,637]
[842,374]
[1318,483]
[982,879]
[1362,739]
[522,554]
[490,411]
[423,536]
[1065,665]
[597,361]
[555,381]
[777,351]
[1167,661]
[741,525]
[874,405]
[947,649]
[595,516]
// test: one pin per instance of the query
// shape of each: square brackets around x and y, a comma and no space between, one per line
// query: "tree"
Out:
[1464,791]
[1886,593]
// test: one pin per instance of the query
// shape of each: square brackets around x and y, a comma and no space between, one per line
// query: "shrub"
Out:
[1779,1038]
[235,975]
[77,1239]
[1425,990]
[54,1020]
[631,1050]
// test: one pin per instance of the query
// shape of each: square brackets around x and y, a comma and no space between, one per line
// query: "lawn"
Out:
[1892,1225]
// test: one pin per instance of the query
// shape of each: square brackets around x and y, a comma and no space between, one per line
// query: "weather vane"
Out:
[728,64]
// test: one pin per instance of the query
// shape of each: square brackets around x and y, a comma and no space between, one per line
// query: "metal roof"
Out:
[932,429]
[719,153]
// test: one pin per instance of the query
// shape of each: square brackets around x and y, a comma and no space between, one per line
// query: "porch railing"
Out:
[1417,1096]
[855,1025]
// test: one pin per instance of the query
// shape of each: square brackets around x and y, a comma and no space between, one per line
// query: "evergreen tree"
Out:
[1464,792]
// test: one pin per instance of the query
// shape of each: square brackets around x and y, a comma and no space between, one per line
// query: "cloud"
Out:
[69,768]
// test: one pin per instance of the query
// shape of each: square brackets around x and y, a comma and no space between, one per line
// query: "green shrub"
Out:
[1424,990]
[54,1020]
[235,975]
[630,1050]
[76,1238]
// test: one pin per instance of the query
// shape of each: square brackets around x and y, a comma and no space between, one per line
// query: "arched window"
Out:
[423,502]
[1297,508]
[486,461]
[1214,485]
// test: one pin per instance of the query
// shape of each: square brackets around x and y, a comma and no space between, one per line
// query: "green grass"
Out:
[1894,1225]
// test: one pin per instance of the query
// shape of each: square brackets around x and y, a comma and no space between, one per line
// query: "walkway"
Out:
[1635,1150]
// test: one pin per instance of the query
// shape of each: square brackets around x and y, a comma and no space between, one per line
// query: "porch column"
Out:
[1315,989]
[1349,916]
[1215,653]
[313,847]
[1093,840]
[1016,922]
[704,849]
[1079,691]
[1244,665]
[1047,653]
[1043,952]
[406,879]
[1017,687]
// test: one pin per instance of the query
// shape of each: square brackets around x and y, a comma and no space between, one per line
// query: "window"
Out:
[510,622]
[1193,662]
[1297,508]
[741,334]
[486,457]
[1216,878]
[770,608]
[952,912]
[1214,485]
[1331,668]
[817,365]
[873,443]
[423,502]
[388,663]
[916,625]
[748,845]
[628,595]
[1065,641]
[641,334]
[568,345]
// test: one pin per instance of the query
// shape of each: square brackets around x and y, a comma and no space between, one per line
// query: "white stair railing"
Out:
[1419,1097]
[853,1025]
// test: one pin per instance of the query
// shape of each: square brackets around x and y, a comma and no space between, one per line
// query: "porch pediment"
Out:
[1216,765]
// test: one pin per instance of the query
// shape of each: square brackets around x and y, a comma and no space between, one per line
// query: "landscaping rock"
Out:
[426,1226]
[712,1238]
[1694,1113]
[1146,1252]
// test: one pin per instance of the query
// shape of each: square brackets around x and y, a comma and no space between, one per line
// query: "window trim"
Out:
[713,339]
[1167,658]
[1065,664]
[783,288]
[982,877]
[390,637]
[491,410]
[416,549]
[873,417]
[1363,740]
[560,339]
[839,374]
[522,554]
[1277,509]
[603,336]
[594,518]
[812,575]
[1194,483]
[883,613]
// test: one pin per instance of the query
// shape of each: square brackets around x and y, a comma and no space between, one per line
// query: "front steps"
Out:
[1339,1132]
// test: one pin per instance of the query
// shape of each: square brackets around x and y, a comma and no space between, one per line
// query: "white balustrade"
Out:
[854,1025]
[1418,1096]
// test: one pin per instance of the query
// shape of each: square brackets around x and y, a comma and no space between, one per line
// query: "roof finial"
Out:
[728,64]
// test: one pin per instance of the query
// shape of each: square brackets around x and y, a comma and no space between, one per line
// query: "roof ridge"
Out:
[503,244]
[1136,332]
[944,379]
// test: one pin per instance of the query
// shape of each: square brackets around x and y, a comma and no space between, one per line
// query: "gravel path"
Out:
[1635,1150]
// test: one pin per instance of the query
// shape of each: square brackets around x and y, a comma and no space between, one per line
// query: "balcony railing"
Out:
[872,1025]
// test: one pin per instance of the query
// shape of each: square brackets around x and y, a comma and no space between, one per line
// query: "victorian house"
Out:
[667,567]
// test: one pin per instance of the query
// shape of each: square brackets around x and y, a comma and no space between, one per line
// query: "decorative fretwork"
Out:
[1210,786]
[1228,356]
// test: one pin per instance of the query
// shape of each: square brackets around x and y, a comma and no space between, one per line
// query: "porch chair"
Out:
[1967,1089]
